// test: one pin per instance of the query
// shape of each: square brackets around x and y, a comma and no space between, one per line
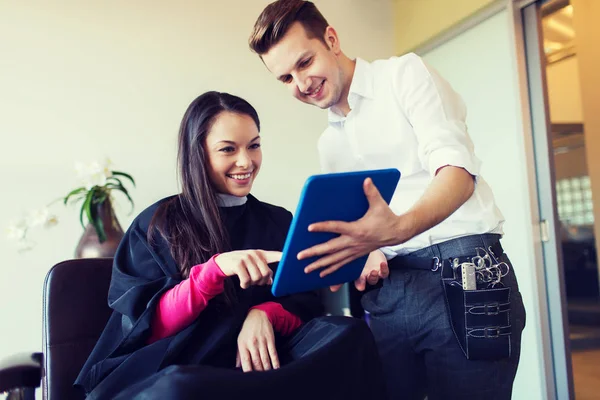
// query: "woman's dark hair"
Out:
[190,222]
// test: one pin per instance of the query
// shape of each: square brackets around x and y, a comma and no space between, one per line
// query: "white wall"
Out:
[479,65]
[85,80]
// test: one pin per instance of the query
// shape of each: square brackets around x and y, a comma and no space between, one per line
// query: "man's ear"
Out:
[332,40]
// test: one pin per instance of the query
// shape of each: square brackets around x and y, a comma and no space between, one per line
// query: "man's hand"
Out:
[256,344]
[380,227]
[377,228]
[376,268]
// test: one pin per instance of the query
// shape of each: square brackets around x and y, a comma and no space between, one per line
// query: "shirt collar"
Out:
[361,86]
[227,200]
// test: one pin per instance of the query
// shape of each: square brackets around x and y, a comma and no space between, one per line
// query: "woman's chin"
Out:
[239,191]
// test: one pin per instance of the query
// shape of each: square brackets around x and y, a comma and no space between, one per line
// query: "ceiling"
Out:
[559,33]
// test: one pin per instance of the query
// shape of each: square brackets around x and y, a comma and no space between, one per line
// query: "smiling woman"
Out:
[191,283]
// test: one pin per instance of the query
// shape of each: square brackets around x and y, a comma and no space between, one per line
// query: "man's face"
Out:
[308,67]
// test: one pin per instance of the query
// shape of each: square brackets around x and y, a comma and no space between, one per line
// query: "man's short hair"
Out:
[277,18]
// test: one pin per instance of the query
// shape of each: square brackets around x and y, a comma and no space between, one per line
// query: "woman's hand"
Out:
[256,344]
[375,268]
[249,265]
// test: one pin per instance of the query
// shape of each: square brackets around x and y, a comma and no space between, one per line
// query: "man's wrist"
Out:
[406,227]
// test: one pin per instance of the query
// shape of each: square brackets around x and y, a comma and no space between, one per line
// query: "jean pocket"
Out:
[383,300]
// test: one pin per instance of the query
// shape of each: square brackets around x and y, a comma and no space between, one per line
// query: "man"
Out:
[399,113]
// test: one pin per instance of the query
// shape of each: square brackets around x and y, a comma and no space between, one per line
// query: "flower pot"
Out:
[89,245]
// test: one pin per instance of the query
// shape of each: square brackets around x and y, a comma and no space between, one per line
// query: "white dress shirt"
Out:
[405,116]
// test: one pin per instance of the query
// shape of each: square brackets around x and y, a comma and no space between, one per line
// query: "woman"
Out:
[190,283]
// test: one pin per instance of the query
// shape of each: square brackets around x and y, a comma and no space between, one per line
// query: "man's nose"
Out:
[304,83]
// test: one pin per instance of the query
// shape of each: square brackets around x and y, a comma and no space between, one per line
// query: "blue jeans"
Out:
[420,354]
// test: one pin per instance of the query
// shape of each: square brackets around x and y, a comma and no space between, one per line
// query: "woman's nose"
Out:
[244,160]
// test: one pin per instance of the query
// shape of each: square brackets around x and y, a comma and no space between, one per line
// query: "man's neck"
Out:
[348,67]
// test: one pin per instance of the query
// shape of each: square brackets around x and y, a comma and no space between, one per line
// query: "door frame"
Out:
[528,28]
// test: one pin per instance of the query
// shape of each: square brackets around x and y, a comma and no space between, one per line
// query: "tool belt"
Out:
[477,302]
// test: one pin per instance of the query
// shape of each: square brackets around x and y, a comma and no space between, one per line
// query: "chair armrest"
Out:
[22,370]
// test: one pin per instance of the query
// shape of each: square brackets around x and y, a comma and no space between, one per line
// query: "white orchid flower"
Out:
[51,221]
[94,173]
[108,168]
[17,230]
[38,217]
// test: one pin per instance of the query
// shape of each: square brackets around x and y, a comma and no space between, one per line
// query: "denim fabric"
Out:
[420,354]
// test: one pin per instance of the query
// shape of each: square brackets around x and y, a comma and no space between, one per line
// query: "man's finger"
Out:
[335,288]
[340,227]
[371,192]
[342,258]
[329,247]
[238,363]
[322,263]
[328,252]
[335,259]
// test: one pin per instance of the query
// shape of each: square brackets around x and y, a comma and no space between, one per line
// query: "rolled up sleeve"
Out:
[437,114]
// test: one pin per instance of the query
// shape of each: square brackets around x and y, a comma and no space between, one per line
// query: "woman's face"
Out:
[234,155]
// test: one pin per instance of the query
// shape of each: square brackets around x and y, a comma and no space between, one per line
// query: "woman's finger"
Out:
[373,277]
[384,270]
[273,353]
[264,355]
[253,271]
[242,273]
[264,269]
[245,359]
[256,360]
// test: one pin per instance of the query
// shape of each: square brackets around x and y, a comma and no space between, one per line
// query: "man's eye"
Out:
[286,79]
[227,149]
[306,62]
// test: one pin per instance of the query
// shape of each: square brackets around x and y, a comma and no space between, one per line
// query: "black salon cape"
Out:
[123,365]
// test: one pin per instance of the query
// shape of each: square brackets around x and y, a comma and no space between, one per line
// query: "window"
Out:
[574,198]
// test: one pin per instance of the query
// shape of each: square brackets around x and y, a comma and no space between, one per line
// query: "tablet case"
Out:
[327,197]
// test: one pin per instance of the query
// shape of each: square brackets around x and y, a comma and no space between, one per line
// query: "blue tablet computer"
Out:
[327,197]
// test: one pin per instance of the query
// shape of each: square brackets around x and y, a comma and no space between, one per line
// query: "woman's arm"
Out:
[180,306]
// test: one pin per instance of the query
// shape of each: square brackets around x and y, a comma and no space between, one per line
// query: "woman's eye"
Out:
[227,149]
[255,146]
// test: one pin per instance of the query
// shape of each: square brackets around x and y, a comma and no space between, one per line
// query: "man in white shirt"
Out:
[443,220]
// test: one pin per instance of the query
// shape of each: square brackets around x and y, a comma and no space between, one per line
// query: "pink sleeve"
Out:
[180,306]
[282,320]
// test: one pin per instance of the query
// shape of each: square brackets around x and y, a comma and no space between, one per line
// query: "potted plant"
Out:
[102,231]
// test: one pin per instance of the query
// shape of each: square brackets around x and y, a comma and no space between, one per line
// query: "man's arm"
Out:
[449,189]
[437,115]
